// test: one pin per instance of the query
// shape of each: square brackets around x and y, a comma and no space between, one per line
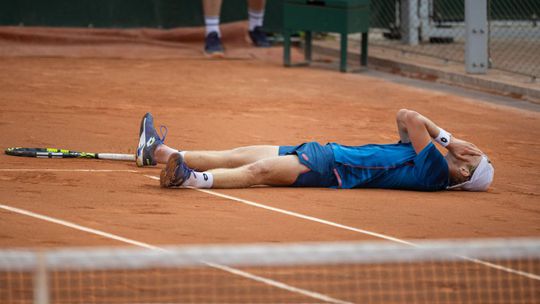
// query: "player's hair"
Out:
[459,179]
[471,170]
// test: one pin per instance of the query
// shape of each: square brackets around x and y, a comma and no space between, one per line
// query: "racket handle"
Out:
[115,156]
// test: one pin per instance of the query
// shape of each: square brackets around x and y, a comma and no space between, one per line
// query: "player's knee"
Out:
[234,157]
[238,154]
[237,151]
[259,171]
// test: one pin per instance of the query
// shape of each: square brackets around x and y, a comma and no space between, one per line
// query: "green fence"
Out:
[514,32]
[453,10]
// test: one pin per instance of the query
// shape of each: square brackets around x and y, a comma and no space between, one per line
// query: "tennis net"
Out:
[444,271]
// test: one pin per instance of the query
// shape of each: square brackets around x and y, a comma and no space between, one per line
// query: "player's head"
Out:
[473,174]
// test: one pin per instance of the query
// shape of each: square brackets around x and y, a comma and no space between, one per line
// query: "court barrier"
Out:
[441,271]
[437,28]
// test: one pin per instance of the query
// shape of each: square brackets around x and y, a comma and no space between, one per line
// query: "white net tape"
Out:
[472,271]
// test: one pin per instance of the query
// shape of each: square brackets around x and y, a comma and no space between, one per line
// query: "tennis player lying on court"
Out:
[412,164]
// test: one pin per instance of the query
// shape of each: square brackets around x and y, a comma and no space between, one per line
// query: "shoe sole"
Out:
[253,44]
[167,176]
[215,55]
[140,149]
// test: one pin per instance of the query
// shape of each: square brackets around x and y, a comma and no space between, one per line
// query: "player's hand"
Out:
[461,149]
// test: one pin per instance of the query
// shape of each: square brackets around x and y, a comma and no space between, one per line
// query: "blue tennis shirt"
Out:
[393,166]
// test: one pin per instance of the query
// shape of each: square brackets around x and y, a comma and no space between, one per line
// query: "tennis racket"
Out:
[62,153]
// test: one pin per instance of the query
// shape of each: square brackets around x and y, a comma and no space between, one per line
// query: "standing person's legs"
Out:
[256,13]
[256,18]
[206,160]
[274,171]
[212,9]
[256,5]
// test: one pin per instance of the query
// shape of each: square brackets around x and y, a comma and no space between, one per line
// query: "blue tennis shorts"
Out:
[319,159]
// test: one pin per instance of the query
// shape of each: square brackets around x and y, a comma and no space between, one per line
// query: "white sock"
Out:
[212,24]
[199,180]
[256,18]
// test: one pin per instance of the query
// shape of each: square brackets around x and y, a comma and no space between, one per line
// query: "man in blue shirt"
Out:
[414,163]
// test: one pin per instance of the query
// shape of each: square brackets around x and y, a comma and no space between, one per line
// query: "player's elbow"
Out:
[412,118]
[406,115]
[401,115]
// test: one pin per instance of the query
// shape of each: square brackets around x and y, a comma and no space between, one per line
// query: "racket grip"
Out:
[115,156]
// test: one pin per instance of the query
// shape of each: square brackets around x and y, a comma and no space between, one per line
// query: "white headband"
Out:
[481,178]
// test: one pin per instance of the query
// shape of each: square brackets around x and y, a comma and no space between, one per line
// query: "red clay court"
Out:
[87,90]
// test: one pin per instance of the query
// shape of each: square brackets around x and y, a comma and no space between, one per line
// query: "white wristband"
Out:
[443,138]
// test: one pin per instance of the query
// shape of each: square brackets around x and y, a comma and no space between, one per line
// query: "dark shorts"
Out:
[319,159]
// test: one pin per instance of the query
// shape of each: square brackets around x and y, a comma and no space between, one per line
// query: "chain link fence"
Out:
[436,28]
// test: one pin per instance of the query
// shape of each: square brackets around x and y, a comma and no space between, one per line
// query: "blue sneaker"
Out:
[212,45]
[175,173]
[258,37]
[148,141]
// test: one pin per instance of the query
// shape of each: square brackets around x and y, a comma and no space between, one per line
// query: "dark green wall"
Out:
[146,13]
[113,13]
[182,13]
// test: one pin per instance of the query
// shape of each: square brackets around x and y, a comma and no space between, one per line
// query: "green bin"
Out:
[339,16]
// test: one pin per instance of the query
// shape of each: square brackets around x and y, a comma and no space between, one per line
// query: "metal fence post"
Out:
[424,20]
[409,22]
[476,44]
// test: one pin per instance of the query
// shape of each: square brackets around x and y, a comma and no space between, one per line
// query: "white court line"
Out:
[306,217]
[66,170]
[78,227]
[371,233]
[231,270]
